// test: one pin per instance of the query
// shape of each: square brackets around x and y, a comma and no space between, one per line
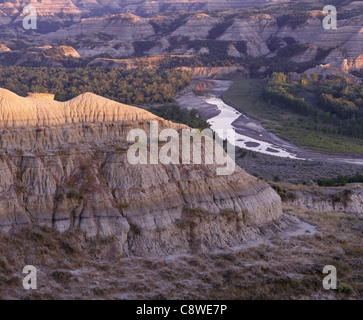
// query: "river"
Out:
[250,134]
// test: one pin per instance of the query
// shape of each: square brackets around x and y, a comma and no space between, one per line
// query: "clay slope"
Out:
[47,10]
[66,9]
[125,27]
[120,35]
[64,165]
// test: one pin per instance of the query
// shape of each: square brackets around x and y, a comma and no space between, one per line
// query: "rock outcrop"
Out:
[63,11]
[325,71]
[151,7]
[250,30]
[47,10]
[42,55]
[62,52]
[64,165]
[347,200]
[345,42]
[197,27]
[215,72]
[4,48]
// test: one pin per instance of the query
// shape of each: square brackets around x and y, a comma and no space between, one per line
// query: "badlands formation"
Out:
[64,165]
[101,35]
[51,10]
[124,29]
[11,11]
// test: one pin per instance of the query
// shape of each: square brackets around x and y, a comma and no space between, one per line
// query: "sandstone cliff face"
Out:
[348,200]
[4,48]
[64,165]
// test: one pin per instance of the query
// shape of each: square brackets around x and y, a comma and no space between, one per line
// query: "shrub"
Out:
[292,50]
[20,151]
[343,196]
[241,46]
[19,188]
[74,194]
[340,180]
[141,47]
[135,229]
[276,179]
[284,194]
[183,223]
[289,40]
[59,197]
[242,153]
[274,44]
[228,212]
[292,20]
[175,113]
[121,148]
[123,205]
[60,276]
[71,184]
[84,166]
[345,288]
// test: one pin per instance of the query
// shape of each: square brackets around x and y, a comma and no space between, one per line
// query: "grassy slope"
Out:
[246,95]
[284,268]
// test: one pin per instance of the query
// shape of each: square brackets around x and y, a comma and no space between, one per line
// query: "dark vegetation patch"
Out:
[175,113]
[293,20]
[302,120]
[138,86]
[292,50]
[141,47]
[340,180]
[218,50]
[336,106]
[219,29]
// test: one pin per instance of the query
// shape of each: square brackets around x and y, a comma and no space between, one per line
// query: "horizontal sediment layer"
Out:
[64,165]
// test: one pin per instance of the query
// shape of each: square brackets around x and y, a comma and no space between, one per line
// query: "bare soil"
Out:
[288,266]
